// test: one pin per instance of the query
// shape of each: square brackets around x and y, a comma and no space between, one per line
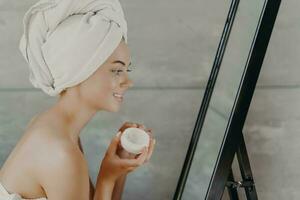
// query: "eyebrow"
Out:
[121,62]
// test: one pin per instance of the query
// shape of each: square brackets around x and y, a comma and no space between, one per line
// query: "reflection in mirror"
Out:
[222,99]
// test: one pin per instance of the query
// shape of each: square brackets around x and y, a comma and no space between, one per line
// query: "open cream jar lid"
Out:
[134,140]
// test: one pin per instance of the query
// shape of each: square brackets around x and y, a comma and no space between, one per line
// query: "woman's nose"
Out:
[128,83]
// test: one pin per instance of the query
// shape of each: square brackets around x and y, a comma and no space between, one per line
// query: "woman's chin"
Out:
[111,106]
[114,108]
[115,111]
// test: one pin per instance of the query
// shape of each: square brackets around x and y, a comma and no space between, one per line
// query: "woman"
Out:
[76,49]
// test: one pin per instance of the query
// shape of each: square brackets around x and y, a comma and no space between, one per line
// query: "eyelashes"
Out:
[120,70]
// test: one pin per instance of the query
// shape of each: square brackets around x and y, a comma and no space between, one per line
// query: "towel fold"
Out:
[65,41]
[5,195]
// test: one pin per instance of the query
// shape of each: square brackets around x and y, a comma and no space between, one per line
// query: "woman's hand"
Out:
[122,153]
[112,166]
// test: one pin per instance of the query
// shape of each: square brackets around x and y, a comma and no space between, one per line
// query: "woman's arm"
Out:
[119,187]
[104,189]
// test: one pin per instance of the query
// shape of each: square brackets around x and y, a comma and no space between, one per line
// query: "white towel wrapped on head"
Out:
[65,41]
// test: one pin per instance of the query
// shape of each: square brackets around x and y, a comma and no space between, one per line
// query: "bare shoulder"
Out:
[60,167]
[46,159]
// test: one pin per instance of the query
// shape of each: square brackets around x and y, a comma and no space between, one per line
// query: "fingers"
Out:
[141,126]
[127,125]
[150,151]
[112,149]
[142,157]
[131,124]
[136,162]
[149,132]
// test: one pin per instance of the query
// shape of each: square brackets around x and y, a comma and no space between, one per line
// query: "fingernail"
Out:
[118,134]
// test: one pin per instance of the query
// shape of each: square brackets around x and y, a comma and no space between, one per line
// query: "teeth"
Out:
[117,95]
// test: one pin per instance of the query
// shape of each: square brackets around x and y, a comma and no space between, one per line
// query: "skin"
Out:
[58,129]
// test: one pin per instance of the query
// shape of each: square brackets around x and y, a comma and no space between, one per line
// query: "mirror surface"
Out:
[222,100]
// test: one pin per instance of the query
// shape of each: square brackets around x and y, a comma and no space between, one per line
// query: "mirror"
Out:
[221,104]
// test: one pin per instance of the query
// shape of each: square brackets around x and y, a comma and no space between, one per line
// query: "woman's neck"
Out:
[73,113]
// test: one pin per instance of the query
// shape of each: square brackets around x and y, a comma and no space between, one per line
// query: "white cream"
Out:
[134,140]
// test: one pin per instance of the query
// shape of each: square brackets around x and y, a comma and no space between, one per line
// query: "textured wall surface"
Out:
[173,45]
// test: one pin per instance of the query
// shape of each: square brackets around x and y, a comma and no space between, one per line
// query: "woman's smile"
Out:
[118,97]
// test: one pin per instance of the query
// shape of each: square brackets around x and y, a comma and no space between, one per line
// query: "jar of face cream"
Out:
[134,140]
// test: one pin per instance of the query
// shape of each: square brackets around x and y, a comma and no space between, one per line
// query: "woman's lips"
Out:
[118,97]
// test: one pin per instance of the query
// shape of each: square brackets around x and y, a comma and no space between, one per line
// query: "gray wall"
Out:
[172,54]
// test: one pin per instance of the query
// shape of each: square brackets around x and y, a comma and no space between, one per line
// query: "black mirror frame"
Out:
[233,134]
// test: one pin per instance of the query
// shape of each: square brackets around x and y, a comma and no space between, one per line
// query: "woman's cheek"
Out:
[108,86]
